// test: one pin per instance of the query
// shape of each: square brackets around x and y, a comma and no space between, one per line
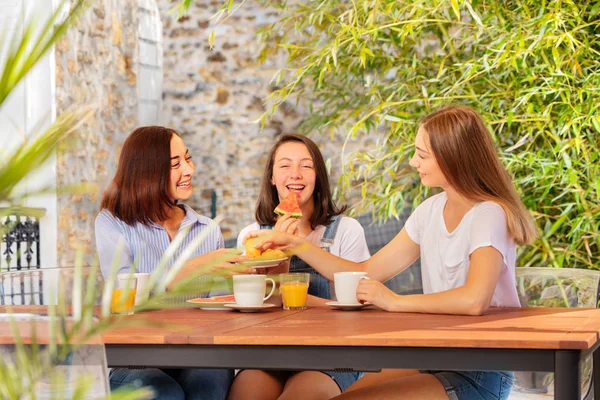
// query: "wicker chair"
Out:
[554,287]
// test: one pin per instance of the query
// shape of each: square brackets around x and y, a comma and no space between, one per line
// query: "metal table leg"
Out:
[596,374]
[567,375]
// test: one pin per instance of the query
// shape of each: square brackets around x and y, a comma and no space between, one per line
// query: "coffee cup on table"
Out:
[249,290]
[142,294]
[345,284]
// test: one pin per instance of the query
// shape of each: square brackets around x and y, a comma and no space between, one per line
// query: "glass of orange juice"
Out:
[123,295]
[294,290]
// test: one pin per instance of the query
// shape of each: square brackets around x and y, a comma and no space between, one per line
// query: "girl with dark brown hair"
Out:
[295,165]
[141,213]
[466,238]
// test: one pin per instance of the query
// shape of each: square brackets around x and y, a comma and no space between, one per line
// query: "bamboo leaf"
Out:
[456,9]
[473,13]
[211,40]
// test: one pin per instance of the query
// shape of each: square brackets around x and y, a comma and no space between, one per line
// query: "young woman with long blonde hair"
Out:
[466,237]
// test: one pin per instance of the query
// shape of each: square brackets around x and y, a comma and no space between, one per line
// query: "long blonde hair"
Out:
[466,154]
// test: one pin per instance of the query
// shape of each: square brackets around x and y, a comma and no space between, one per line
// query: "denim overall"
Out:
[319,285]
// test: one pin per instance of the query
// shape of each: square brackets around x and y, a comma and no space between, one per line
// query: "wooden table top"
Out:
[532,328]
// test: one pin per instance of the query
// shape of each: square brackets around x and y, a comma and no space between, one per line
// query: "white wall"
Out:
[31,109]
[150,74]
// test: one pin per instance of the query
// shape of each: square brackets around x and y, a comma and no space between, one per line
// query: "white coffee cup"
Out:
[345,286]
[141,293]
[249,290]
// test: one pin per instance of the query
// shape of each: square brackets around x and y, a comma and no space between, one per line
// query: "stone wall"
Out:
[97,64]
[212,98]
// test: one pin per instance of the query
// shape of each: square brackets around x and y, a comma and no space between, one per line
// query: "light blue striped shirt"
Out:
[144,246]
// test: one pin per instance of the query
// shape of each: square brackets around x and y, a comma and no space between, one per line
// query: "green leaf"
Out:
[26,49]
[456,9]
[473,13]
[596,123]
[211,39]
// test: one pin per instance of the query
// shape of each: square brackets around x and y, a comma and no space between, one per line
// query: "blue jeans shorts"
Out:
[176,384]
[344,379]
[476,385]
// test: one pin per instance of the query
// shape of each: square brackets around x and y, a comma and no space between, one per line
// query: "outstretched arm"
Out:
[471,299]
[388,262]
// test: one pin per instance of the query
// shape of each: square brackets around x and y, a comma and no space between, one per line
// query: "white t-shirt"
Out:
[445,256]
[349,242]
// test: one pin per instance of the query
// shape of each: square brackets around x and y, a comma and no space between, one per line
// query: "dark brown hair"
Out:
[466,154]
[139,192]
[268,199]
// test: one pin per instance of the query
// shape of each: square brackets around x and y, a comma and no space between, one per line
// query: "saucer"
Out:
[241,308]
[346,306]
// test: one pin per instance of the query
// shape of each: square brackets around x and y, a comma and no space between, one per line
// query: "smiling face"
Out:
[182,169]
[424,161]
[294,171]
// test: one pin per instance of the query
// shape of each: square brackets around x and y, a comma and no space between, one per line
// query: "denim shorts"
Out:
[477,385]
[344,379]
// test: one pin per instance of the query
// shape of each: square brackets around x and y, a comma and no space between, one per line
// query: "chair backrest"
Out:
[377,236]
[41,286]
[557,287]
[20,246]
[22,288]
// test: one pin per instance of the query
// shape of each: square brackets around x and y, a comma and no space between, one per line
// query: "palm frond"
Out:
[26,49]
[33,153]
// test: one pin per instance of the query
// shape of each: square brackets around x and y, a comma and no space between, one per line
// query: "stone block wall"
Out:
[101,62]
[119,59]
[213,96]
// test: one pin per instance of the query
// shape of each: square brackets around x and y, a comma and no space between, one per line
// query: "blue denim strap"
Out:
[330,232]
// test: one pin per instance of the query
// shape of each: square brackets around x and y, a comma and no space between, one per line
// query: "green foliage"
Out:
[31,361]
[76,319]
[181,8]
[530,67]
[25,49]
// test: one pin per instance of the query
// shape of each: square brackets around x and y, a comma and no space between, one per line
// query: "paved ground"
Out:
[516,395]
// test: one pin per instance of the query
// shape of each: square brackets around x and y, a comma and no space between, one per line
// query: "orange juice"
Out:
[121,302]
[294,294]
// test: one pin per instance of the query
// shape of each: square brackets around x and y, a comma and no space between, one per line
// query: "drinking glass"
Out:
[294,290]
[123,295]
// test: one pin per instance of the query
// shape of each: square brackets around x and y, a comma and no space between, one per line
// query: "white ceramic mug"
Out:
[345,286]
[249,290]
[142,293]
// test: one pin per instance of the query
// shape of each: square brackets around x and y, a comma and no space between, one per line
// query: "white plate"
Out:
[262,263]
[347,307]
[242,308]
[209,305]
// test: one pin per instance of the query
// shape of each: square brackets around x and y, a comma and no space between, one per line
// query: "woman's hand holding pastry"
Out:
[224,262]
[272,239]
